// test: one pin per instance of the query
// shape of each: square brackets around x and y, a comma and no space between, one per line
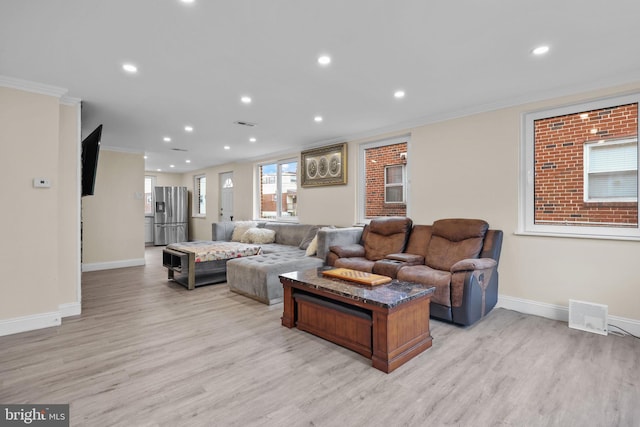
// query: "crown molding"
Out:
[70,101]
[27,86]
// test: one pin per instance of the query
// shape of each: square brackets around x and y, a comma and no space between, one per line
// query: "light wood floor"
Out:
[147,352]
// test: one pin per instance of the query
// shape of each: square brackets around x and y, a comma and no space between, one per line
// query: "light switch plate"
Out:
[41,183]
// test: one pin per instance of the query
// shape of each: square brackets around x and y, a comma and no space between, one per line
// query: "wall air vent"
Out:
[179,149]
[249,124]
[587,316]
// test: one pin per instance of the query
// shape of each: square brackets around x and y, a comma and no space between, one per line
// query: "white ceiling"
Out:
[196,61]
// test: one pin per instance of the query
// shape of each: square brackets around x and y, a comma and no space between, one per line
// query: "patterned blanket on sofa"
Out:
[215,250]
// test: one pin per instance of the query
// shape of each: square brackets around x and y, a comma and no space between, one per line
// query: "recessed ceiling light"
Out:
[172,166]
[188,128]
[246,100]
[187,161]
[158,170]
[145,157]
[226,147]
[166,139]
[187,1]
[130,68]
[318,119]
[324,60]
[252,140]
[399,94]
[540,50]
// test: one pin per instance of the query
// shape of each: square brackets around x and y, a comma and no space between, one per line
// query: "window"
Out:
[611,171]
[149,185]
[394,184]
[579,170]
[278,190]
[382,184]
[200,195]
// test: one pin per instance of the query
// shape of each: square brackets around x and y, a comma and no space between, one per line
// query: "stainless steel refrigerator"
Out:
[170,219]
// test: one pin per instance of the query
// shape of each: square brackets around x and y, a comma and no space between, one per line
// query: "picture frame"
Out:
[324,166]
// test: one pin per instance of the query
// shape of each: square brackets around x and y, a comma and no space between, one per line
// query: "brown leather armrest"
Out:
[348,251]
[408,259]
[473,264]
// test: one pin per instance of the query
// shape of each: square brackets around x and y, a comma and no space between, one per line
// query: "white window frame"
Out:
[196,196]
[401,184]
[257,210]
[588,148]
[151,178]
[361,192]
[526,216]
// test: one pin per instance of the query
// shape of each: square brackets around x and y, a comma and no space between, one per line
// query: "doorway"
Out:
[226,196]
[149,184]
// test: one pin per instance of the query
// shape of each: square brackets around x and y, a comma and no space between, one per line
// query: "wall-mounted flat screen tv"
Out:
[90,152]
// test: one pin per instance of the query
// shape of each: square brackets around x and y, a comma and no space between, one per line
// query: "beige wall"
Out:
[200,227]
[113,218]
[69,205]
[166,179]
[469,167]
[39,256]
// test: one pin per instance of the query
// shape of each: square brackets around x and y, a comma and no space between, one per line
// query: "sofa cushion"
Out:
[385,236]
[430,277]
[306,240]
[347,251]
[258,235]
[419,240]
[453,240]
[355,263]
[258,276]
[312,249]
[276,248]
[240,228]
[289,234]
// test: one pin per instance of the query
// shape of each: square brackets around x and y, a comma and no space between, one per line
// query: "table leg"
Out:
[192,271]
[288,312]
[400,334]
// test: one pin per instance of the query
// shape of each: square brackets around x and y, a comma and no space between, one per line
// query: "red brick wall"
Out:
[376,159]
[559,162]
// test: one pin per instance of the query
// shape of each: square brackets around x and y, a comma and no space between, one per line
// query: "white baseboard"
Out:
[30,323]
[96,266]
[39,321]
[561,313]
[70,309]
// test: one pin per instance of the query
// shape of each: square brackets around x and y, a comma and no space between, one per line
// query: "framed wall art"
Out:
[324,166]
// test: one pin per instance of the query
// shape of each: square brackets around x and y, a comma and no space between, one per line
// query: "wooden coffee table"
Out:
[387,323]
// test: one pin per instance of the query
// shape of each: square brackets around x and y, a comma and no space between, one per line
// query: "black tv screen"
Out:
[90,152]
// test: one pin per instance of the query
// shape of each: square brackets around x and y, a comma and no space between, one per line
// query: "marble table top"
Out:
[389,295]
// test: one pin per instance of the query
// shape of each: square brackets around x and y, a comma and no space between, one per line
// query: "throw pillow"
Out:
[308,238]
[313,247]
[240,228]
[259,235]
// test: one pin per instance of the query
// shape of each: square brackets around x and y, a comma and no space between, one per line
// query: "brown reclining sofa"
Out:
[457,256]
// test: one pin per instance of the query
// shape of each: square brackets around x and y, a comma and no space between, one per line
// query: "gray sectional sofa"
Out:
[258,276]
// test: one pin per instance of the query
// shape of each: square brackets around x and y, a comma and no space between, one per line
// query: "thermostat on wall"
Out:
[41,182]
